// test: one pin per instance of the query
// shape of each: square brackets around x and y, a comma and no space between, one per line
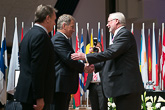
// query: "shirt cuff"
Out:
[86,58]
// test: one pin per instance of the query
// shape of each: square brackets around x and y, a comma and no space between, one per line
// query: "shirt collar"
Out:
[63,34]
[36,24]
[117,30]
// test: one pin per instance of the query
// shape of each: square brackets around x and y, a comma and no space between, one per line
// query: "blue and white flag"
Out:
[81,76]
[99,36]
[3,65]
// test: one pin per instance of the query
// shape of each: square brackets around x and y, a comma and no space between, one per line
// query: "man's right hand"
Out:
[40,104]
[89,68]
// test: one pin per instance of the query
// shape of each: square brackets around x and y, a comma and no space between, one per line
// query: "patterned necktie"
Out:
[94,76]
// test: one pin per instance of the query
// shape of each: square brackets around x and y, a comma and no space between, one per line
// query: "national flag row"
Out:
[7,75]
[83,76]
[152,64]
[152,69]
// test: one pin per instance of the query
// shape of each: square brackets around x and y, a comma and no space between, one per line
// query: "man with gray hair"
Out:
[35,88]
[121,78]
[66,70]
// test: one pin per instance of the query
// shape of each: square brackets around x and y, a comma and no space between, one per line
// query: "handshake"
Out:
[81,56]
[89,68]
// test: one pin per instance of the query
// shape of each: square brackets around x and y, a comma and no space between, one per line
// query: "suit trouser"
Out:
[97,98]
[128,102]
[61,101]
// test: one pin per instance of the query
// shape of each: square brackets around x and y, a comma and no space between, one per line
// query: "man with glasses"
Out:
[121,78]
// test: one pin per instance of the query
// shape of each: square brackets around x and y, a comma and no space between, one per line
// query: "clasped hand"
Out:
[89,68]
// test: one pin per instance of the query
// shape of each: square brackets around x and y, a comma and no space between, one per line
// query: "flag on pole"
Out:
[159,59]
[54,30]
[87,40]
[3,65]
[87,51]
[91,43]
[99,37]
[77,95]
[163,59]
[149,58]
[14,65]
[154,59]
[140,51]
[102,40]
[82,88]
[144,71]
[132,29]
[22,31]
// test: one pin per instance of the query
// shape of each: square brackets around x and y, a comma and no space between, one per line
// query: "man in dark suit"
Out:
[66,70]
[35,87]
[93,84]
[121,77]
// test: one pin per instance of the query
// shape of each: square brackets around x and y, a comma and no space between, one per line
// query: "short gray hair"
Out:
[42,11]
[120,16]
[65,18]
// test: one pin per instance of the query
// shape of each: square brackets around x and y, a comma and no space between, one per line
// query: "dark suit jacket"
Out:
[36,78]
[121,73]
[66,69]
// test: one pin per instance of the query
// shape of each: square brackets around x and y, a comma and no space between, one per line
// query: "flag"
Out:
[54,30]
[159,59]
[87,51]
[149,58]
[87,40]
[14,65]
[3,65]
[102,40]
[132,29]
[22,31]
[154,59]
[99,38]
[77,94]
[91,43]
[81,76]
[144,71]
[140,51]
[163,58]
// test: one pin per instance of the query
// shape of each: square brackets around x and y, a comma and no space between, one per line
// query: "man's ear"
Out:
[117,21]
[63,25]
[47,18]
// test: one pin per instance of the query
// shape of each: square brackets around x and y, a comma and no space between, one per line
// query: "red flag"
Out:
[102,44]
[77,95]
[149,58]
[22,31]
[54,30]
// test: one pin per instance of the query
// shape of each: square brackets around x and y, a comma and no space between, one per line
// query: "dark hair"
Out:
[42,11]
